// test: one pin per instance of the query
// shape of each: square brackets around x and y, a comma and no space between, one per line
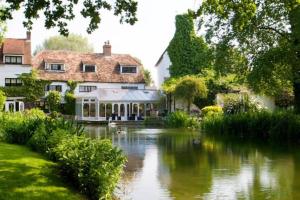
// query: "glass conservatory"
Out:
[116,105]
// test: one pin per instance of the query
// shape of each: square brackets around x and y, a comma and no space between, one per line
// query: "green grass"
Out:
[27,175]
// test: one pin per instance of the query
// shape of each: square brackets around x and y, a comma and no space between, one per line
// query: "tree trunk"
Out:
[295,36]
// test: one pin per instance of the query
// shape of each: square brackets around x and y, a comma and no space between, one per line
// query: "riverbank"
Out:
[27,175]
[279,126]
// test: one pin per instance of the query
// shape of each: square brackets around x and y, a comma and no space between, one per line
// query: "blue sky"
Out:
[147,39]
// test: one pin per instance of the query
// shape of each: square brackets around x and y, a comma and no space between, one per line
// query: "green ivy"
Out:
[188,53]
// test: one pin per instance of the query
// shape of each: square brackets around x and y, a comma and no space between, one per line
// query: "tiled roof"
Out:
[107,70]
[11,46]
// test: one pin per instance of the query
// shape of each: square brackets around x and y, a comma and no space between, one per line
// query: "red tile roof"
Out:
[107,70]
[11,46]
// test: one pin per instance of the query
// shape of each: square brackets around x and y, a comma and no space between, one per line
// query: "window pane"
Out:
[13,59]
[92,110]
[89,68]
[7,80]
[128,69]
[86,110]
[13,81]
[7,59]
[19,59]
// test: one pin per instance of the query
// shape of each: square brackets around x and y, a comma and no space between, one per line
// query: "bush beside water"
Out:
[94,166]
[180,119]
[263,125]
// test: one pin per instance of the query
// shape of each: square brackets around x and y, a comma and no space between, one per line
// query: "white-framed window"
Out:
[87,88]
[53,87]
[12,59]
[13,82]
[55,66]
[89,68]
[128,69]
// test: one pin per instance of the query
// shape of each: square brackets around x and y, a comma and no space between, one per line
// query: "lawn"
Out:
[27,175]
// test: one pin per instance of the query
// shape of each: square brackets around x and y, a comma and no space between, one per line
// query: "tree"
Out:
[54,99]
[3,28]
[59,13]
[189,54]
[147,77]
[189,88]
[73,42]
[2,100]
[267,32]
[70,98]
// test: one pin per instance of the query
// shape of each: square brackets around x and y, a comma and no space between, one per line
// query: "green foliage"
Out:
[19,127]
[284,99]
[277,126]
[259,30]
[236,103]
[147,77]
[189,54]
[3,29]
[210,111]
[33,175]
[32,88]
[94,165]
[169,85]
[73,42]
[69,106]
[72,85]
[180,119]
[54,99]
[2,100]
[59,14]
[190,87]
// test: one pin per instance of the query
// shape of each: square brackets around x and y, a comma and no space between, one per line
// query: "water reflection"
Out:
[180,164]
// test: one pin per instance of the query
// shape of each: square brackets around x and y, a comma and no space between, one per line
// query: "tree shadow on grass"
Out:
[31,177]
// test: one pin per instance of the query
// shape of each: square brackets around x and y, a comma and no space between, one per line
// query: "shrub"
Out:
[54,99]
[236,103]
[180,119]
[2,100]
[93,165]
[69,106]
[277,126]
[19,127]
[38,141]
[211,111]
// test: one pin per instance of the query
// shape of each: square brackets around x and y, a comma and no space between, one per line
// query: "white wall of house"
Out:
[12,71]
[65,87]
[163,70]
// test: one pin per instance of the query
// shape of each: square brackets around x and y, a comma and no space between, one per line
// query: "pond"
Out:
[181,164]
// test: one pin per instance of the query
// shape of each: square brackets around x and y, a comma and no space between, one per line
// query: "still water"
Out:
[181,164]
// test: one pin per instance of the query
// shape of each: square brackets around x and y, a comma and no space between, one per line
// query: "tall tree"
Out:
[72,42]
[189,54]
[268,32]
[59,13]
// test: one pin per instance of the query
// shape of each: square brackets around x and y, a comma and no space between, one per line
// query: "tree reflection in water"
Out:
[173,164]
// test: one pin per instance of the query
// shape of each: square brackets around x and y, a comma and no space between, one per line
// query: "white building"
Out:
[15,59]
[162,69]
[99,75]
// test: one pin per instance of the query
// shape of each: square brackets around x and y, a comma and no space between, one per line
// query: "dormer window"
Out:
[56,67]
[13,59]
[89,68]
[128,69]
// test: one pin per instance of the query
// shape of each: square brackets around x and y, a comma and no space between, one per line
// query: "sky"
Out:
[146,40]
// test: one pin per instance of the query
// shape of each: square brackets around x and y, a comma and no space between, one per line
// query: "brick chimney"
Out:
[28,35]
[107,49]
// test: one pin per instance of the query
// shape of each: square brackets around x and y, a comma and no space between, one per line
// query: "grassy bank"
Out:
[280,126]
[27,175]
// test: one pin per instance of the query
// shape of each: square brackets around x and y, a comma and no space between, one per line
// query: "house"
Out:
[163,73]
[110,86]
[15,59]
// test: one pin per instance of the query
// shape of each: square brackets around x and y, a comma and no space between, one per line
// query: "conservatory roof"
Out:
[123,95]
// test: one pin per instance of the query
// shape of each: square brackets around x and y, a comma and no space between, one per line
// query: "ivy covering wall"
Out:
[189,54]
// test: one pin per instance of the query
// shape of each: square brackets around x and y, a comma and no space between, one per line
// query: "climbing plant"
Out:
[189,54]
